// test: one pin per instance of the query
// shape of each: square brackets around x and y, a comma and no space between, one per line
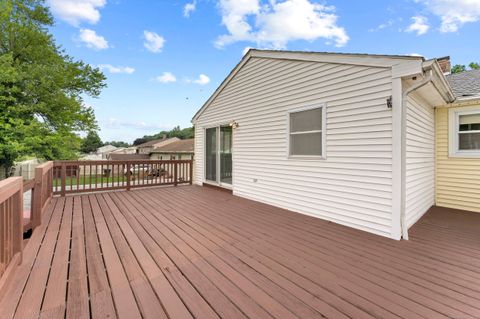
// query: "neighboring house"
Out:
[100,154]
[92,157]
[147,147]
[127,157]
[348,138]
[458,145]
[105,150]
[26,168]
[125,150]
[178,150]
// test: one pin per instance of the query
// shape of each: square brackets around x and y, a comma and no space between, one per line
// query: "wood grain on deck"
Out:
[193,252]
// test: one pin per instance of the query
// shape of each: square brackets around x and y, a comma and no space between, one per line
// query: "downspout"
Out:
[425,81]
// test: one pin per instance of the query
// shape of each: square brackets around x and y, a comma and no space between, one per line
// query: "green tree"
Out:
[458,68]
[41,87]
[186,133]
[474,66]
[91,142]
[117,143]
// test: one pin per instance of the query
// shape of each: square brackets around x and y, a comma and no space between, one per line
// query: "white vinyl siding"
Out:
[420,159]
[353,186]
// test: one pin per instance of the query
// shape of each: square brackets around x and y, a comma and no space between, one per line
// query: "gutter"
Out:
[431,68]
[403,217]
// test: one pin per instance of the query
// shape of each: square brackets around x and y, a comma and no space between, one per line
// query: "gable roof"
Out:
[465,84]
[374,60]
[182,146]
[155,142]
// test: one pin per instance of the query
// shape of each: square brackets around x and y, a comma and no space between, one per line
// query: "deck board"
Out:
[193,252]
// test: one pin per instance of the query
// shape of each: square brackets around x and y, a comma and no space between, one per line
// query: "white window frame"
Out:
[217,138]
[323,156]
[453,132]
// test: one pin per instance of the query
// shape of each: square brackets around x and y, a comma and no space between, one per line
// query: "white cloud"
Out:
[114,123]
[117,69]
[419,25]
[415,54]
[454,13]
[189,8]
[92,39]
[245,50]
[153,42]
[382,26]
[276,23]
[76,11]
[166,77]
[201,80]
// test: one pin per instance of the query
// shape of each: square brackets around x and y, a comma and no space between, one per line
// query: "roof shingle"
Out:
[182,146]
[465,84]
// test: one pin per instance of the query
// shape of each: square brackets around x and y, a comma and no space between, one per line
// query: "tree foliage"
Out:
[474,66]
[459,68]
[41,87]
[117,143]
[91,142]
[182,134]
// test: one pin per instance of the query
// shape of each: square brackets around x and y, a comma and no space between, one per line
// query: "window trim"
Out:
[454,131]
[323,156]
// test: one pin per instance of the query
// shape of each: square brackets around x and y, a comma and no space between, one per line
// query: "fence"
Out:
[88,176]
[11,222]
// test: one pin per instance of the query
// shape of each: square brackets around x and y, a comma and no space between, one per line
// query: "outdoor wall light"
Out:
[233,124]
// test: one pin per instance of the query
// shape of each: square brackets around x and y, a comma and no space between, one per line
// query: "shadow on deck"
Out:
[196,252]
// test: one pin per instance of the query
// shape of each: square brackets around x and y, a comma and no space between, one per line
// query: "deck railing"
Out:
[11,223]
[90,176]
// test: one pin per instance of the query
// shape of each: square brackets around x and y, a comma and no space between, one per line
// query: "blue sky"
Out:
[164,58]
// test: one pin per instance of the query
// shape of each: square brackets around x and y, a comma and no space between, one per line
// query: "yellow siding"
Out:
[457,179]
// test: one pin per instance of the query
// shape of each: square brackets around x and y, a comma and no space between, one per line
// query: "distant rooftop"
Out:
[181,146]
[128,157]
[153,142]
[465,84]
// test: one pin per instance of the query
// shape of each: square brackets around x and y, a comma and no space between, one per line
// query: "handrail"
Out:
[11,223]
[42,192]
[101,175]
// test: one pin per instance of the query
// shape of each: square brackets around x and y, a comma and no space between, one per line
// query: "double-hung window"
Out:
[307,132]
[464,139]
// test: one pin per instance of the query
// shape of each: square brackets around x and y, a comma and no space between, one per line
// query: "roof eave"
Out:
[439,80]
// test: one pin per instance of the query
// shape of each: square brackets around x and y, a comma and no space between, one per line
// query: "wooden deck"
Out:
[193,252]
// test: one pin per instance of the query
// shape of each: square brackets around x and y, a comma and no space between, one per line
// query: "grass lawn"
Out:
[88,180]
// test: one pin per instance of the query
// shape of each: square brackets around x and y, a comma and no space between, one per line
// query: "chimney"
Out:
[445,64]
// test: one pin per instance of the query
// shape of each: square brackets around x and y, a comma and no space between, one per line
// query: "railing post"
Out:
[128,175]
[175,173]
[63,174]
[191,172]
[18,220]
[37,191]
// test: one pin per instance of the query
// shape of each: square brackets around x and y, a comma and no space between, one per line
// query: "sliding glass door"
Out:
[211,154]
[218,155]
[226,155]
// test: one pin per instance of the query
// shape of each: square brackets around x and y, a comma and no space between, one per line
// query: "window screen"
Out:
[306,133]
[469,132]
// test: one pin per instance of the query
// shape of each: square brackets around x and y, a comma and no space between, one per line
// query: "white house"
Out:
[348,138]
[178,150]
